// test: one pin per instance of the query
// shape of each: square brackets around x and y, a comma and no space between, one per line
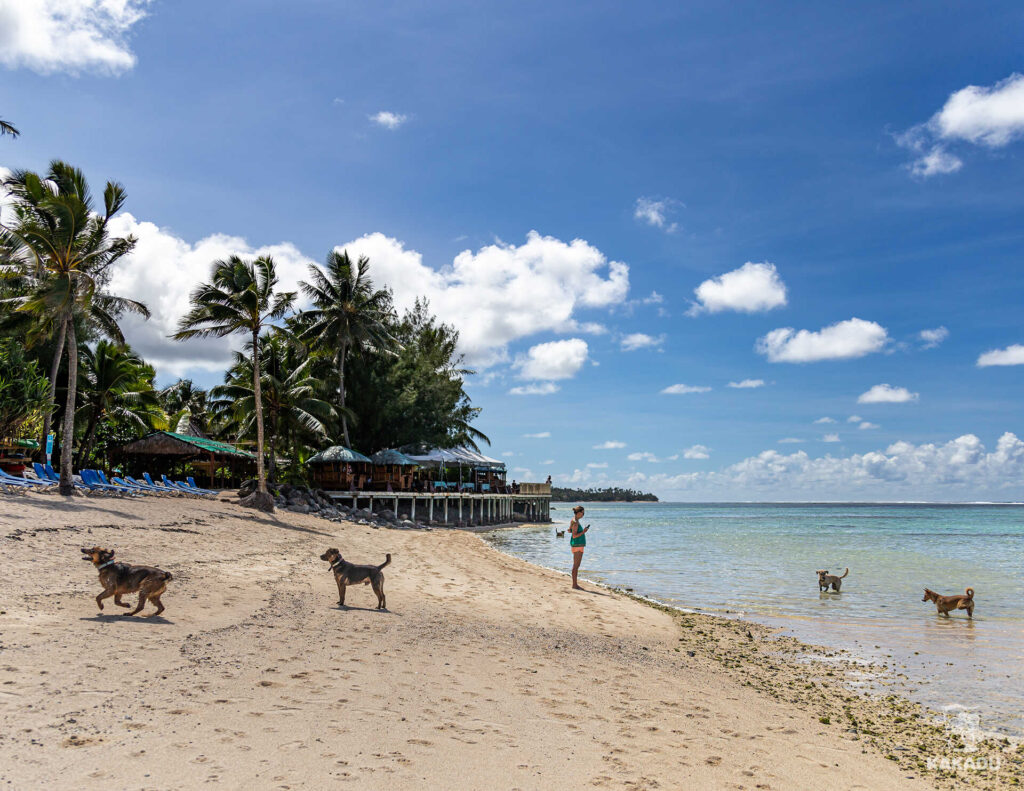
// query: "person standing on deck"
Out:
[577,542]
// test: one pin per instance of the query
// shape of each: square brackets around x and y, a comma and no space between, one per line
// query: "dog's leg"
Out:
[107,593]
[141,604]
[970,611]
[118,602]
[378,588]
[159,606]
[837,585]
[341,593]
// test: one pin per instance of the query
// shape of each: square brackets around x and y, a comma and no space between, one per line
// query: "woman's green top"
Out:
[577,541]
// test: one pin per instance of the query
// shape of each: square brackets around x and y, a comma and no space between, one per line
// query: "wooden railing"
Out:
[535,488]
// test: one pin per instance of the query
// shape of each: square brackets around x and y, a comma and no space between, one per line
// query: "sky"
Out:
[738,251]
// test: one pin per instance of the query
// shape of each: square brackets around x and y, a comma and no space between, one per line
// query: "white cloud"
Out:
[538,435]
[854,419]
[547,462]
[645,456]
[830,438]
[697,452]
[824,420]
[684,389]
[843,340]
[554,360]
[610,445]
[887,394]
[537,388]
[598,465]
[790,441]
[866,425]
[68,35]
[990,116]
[500,293]
[1011,355]
[747,384]
[655,213]
[673,457]
[162,271]
[388,119]
[508,453]
[932,338]
[750,289]
[640,341]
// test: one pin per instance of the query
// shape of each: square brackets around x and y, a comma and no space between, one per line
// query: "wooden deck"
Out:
[454,508]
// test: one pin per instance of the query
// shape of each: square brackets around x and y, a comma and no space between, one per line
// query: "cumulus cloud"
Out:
[887,394]
[644,456]
[958,470]
[821,420]
[866,425]
[1011,355]
[69,35]
[989,116]
[639,340]
[932,338]
[388,119]
[554,360]
[747,384]
[159,252]
[655,213]
[611,444]
[500,293]
[843,340]
[536,388]
[752,288]
[538,435]
[790,441]
[598,465]
[697,452]
[854,419]
[830,438]
[684,389]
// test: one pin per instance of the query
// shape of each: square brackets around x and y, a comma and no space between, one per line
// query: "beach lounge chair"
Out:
[11,484]
[91,478]
[160,487]
[485,488]
[29,483]
[118,484]
[146,486]
[181,487]
[47,472]
[133,486]
[192,483]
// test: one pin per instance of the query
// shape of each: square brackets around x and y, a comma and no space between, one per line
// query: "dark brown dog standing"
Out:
[959,601]
[346,573]
[118,579]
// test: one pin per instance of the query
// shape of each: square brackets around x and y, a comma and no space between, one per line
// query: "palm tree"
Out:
[240,299]
[183,401]
[291,396]
[116,384]
[347,314]
[8,129]
[61,247]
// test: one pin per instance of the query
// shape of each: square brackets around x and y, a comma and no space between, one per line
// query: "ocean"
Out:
[757,561]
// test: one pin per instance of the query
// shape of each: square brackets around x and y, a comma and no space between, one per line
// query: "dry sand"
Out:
[485,673]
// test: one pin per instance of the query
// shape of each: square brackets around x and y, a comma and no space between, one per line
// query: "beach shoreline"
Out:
[485,672]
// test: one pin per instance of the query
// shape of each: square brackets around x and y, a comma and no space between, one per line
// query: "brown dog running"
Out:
[959,601]
[346,573]
[120,578]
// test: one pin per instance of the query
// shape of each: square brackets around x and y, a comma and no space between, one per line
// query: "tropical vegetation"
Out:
[347,368]
[611,494]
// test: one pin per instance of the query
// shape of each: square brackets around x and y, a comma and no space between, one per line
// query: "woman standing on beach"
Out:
[577,542]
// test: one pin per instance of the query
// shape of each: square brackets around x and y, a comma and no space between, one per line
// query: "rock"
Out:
[261,501]
[387,515]
[299,508]
[404,517]
[247,488]
[406,522]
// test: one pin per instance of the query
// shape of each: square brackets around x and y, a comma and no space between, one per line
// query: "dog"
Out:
[559,534]
[346,573]
[944,604]
[118,579]
[825,580]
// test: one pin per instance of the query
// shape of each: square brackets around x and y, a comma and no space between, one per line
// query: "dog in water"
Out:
[346,573]
[118,579]
[960,601]
[826,580]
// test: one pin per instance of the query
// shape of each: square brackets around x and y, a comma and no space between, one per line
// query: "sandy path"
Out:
[485,673]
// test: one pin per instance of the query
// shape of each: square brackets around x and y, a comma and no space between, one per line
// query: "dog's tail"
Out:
[386,561]
[168,576]
[970,593]
[845,573]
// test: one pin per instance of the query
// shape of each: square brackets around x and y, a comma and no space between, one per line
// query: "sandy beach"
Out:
[485,672]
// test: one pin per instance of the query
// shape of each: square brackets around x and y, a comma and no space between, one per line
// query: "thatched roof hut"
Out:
[161,450]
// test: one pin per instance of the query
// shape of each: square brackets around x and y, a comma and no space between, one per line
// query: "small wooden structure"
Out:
[392,470]
[339,467]
[160,451]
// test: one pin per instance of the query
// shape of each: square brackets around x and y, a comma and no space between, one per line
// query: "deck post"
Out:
[446,509]
[431,514]
[396,506]
[412,511]
[460,507]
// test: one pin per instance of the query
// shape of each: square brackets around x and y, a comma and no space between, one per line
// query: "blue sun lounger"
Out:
[192,482]
[92,478]
[14,480]
[160,487]
[121,486]
[146,486]
[47,473]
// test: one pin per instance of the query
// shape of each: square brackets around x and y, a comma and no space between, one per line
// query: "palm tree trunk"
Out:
[261,476]
[341,391]
[273,448]
[67,439]
[90,438]
[54,369]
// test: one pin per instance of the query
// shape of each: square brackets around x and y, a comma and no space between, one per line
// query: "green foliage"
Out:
[24,392]
[612,494]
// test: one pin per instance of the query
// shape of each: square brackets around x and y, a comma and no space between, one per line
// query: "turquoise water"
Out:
[758,561]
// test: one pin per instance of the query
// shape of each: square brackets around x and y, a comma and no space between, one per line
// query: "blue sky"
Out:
[842,152]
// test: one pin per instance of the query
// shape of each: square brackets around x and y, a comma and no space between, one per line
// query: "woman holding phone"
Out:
[577,542]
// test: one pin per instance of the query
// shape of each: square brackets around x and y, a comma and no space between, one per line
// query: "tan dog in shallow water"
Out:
[825,580]
[944,604]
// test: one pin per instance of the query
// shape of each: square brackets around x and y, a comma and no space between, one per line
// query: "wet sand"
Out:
[485,672]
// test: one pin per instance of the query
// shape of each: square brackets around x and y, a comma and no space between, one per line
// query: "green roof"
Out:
[337,453]
[210,445]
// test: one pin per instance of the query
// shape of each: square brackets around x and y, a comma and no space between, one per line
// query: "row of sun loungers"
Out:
[96,482]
